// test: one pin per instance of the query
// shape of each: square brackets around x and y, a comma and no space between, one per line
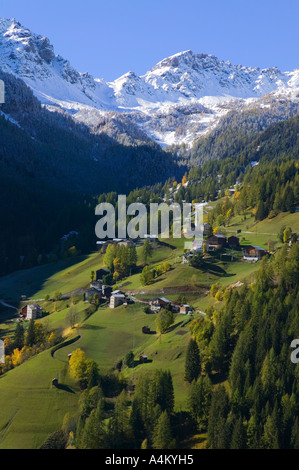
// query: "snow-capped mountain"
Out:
[179,99]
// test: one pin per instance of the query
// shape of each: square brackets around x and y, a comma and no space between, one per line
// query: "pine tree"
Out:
[239,435]
[94,436]
[192,364]
[277,205]
[120,432]
[19,336]
[270,436]
[199,400]
[288,199]
[93,376]
[163,438]
[30,334]
[129,359]
[136,422]
[261,211]
[79,433]
[162,388]
[295,434]
[132,256]
[253,435]
[217,428]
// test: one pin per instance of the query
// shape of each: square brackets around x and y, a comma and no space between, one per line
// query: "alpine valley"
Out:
[148,342]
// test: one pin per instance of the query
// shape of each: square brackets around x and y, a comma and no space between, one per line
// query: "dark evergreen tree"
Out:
[295,434]
[199,400]
[270,436]
[253,433]
[93,376]
[30,334]
[94,433]
[218,437]
[19,336]
[163,438]
[192,364]
[129,359]
[239,435]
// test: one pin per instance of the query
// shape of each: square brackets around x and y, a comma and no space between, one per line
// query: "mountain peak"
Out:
[188,59]
[184,84]
[19,44]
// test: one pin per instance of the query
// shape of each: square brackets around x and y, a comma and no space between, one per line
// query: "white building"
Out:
[34,312]
[117,299]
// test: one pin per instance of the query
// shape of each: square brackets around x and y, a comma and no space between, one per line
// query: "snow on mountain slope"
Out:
[53,79]
[179,99]
[193,76]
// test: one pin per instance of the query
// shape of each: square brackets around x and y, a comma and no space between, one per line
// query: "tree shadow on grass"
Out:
[138,362]
[211,268]
[157,279]
[65,388]
[173,327]
[86,326]
[166,245]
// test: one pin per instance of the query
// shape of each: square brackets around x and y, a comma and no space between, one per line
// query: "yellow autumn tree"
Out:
[214,289]
[119,269]
[219,296]
[8,344]
[286,234]
[51,339]
[165,267]
[16,357]
[109,257]
[78,364]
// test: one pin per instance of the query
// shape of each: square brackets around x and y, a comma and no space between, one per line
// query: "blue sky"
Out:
[110,37]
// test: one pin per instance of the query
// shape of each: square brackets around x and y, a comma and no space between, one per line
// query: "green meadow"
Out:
[30,407]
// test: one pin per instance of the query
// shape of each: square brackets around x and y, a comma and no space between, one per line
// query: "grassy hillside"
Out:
[33,408]
[30,408]
[38,282]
